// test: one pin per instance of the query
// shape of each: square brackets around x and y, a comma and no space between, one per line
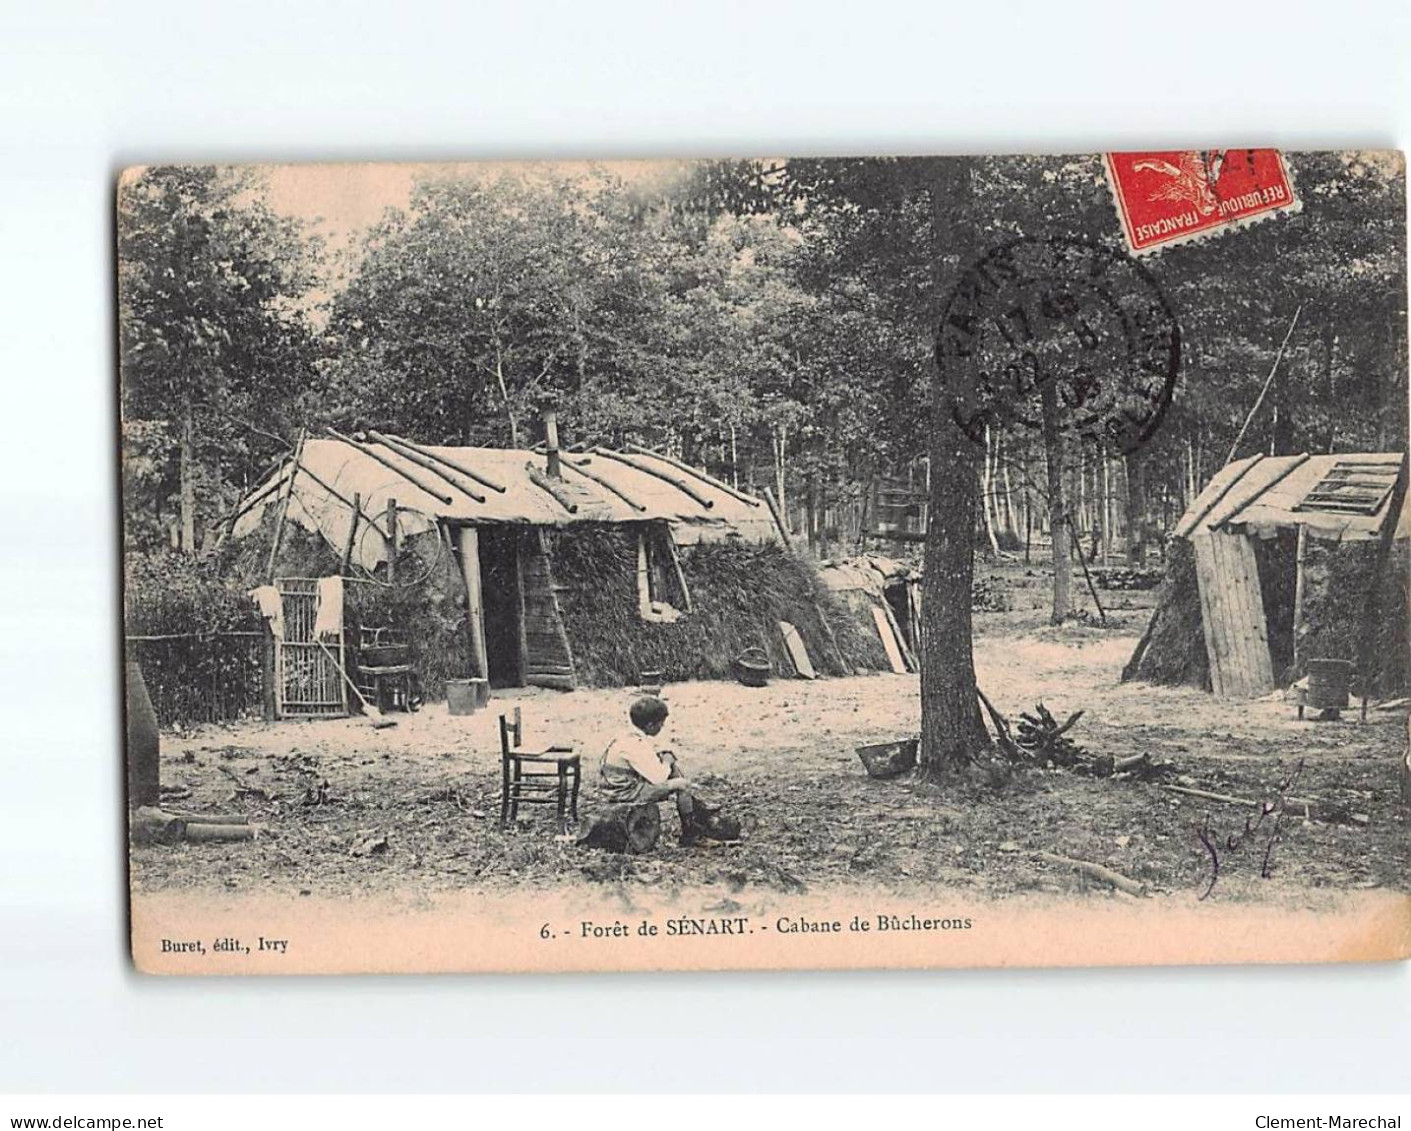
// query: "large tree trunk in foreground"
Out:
[951,728]
[1057,520]
[952,731]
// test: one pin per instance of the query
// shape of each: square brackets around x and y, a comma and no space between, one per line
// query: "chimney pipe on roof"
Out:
[551,437]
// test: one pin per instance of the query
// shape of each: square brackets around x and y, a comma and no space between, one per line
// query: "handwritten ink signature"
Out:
[1273,807]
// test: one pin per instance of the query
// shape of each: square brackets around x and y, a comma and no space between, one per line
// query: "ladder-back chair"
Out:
[536,777]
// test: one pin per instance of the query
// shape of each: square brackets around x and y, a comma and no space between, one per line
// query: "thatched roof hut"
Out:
[575,567]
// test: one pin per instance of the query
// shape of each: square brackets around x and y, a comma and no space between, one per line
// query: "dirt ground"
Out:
[424,796]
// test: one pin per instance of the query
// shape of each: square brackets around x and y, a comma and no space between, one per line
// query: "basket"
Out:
[384,655]
[752,667]
[889,759]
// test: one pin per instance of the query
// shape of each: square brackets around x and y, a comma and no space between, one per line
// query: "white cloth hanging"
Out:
[271,606]
[328,620]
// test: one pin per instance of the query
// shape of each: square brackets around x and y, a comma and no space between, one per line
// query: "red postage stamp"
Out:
[1173,197]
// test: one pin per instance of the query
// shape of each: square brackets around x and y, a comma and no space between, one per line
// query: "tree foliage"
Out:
[774,322]
[217,346]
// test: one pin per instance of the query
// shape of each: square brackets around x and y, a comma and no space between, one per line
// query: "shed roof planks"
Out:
[1340,497]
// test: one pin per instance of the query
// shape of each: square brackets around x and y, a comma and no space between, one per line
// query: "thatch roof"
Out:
[1342,497]
[496,485]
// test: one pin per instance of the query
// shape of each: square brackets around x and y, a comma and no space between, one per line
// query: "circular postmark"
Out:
[1060,325]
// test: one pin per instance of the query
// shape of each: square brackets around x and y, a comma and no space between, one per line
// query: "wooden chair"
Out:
[531,777]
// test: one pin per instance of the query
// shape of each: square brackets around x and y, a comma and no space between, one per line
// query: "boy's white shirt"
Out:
[636,750]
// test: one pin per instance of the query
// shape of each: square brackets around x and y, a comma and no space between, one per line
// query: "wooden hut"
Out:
[1249,506]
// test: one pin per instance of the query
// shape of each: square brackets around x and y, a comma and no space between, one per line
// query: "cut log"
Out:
[151,825]
[1096,872]
[203,832]
[621,828]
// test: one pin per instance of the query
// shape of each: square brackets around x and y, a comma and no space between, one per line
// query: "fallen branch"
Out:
[202,832]
[1096,872]
[1006,739]
[1307,807]
[1073,718]
[241,789]
[1225,798]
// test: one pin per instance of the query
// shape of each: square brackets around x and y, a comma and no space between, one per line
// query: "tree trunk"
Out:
[1080,515]
[1026,498]
[1058,527]
[780,441]
[1106,511]
[1136,508]
[864,513]
[1330,342]
[952,731]
[188,480]
[810,503]
[987,509]
[505,393]
[1011,522]
[734,457]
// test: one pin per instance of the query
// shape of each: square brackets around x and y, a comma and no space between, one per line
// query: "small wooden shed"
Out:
[1343,498]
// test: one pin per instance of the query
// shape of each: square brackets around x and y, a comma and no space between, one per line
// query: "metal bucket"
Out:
[466,696]
[1328,684]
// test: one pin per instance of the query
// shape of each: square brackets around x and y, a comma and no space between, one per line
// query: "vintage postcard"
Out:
[797,563]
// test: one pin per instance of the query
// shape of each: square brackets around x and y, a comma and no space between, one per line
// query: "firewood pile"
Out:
[989,594]
[1039,739]
[1045,741]
[1127,578]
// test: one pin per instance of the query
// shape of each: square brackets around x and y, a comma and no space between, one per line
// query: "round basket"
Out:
[752,667]
[889,759]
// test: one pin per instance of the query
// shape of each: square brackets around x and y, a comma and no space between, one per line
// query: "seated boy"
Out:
[635,772]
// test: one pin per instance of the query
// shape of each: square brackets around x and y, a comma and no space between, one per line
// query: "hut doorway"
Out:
[503,605]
